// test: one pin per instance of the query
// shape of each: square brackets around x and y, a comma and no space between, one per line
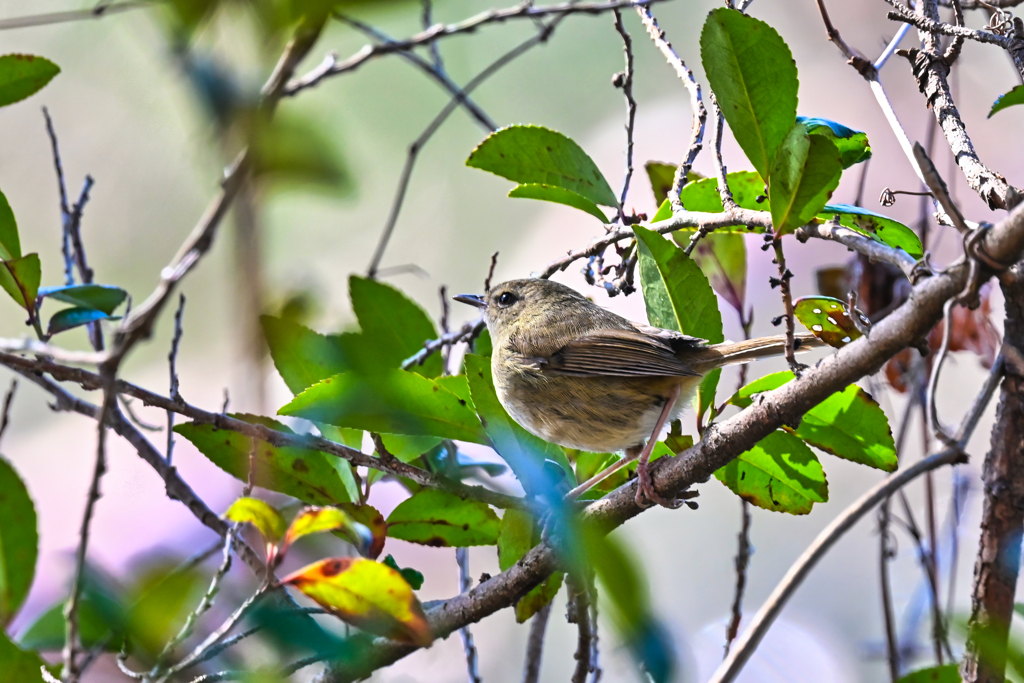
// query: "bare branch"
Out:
[465,583]
[535,644]
[624,80]
[785,275]
[172,362]
[5,416]
[742,562]
[862,244]
[74,15]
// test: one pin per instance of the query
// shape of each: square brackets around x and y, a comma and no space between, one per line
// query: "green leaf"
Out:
[558,195]
[531,154]
[20,278]
[393,324]
[309,475]
[261,515]
[302,356]
[524,452]
[10,243]
[663,213]
[369,595]
[411,576]
[678,296]
[753,75]
[104,298]
[779,473]
[804,175]
[723,259]
[482,345]
[408,448]
[162,596]
[852,144]
[70,318]
[876,226]
[746,187]
[518,534]
[662,176]
[849,423]
[19,666]
[102,617]
[19,542]
[948,673]
[24,75]
[827,319]
[437,518]
[294,150]
[1008,99]
[392,402]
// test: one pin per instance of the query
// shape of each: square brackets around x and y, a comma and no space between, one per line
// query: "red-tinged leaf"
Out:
[313,520]
[261,515]
[370,517]
[367,594]
[827,319]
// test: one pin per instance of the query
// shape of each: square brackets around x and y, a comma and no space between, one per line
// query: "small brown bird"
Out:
[583,377]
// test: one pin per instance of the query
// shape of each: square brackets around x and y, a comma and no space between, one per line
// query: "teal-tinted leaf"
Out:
[10,243]
[1008,99]
[753,75]
[875,225]
[19,542]
[391,402]
[531,154]
[104,298]
[723,259]
[441,519]
[852,144]
[679,297]
[518,534]
[524,452]
[19,666]
[948,673]
[408,448]
[70,318]
[827,319]
[306,474]
[161,597]
[779,473]
[393,324]
[558,195]
[20,278]
[294,151]
[411,576]
[804,175]
[746,187]
[102,618]
[849,423]
[24,75]
[302,356]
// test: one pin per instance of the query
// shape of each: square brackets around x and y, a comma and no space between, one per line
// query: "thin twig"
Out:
[126,403]
[857,61]
[535,644]
[172,362]
[5,416]
[465,583]
[467,331]
[901,13]
[74,15]
[782,282]
[933,381]
[624,80]
[724,192]
[700,114]
[938,189]
[584,634]
[742,560]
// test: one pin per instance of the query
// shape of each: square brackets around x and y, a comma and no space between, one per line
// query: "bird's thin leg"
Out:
[645,491]
[631,455]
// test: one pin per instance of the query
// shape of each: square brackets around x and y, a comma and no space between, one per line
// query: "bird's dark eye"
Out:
[506,299]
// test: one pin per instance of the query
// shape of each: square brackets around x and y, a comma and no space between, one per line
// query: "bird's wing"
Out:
[619,353]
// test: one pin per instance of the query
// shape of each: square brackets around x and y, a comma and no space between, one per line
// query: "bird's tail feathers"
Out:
[735,353]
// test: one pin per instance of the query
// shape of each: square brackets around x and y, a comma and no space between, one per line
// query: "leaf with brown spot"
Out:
[312,520]
[828,319]
[370,517]
[367,594]
[441,519]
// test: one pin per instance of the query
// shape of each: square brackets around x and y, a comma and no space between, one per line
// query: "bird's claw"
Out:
[647,496]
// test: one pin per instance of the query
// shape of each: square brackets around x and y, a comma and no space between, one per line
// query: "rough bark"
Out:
[996,569]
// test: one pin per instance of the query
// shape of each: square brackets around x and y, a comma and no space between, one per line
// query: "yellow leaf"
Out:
[315,519]
[261,515]
[367,594]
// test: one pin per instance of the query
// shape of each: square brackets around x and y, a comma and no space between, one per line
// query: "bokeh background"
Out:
[128,114]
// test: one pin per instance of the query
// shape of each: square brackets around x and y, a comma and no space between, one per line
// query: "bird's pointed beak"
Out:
[472,300]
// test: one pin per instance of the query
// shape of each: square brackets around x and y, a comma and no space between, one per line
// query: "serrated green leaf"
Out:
[804,175]
[394,325]
[849,424]
[532,154]
[261,515]
[10,243]
[524,452]
[302,356]
[70,318]
[20,278]
[19,542]
[518,534]
[558,195]
[948,673]
[779,473]
[22,76]
[391,402]
[752,73]
[827,319]
[309,475]
[408,448]
[852,144]
[663,213]
[104,298]
[1008,99]
[876,226]
[746,188]
[437,518]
